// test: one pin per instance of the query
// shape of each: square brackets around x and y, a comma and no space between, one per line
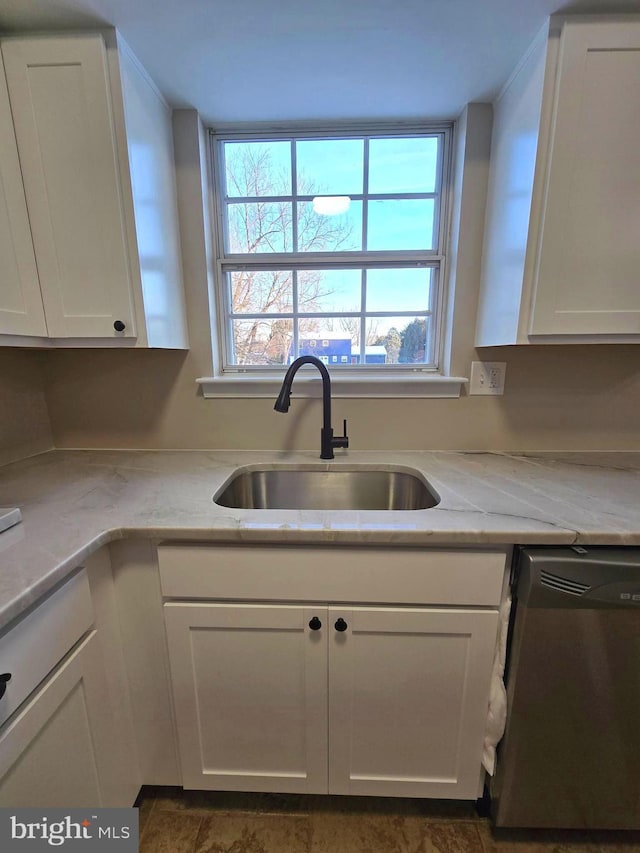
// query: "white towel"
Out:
[497,714]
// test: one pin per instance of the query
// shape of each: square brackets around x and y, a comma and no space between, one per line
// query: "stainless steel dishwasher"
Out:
[570,756]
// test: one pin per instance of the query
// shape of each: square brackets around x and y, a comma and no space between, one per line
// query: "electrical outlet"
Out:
[487,377]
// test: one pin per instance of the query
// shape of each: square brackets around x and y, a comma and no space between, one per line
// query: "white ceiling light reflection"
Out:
[331,205]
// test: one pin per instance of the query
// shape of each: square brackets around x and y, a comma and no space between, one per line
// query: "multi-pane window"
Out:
[332,246]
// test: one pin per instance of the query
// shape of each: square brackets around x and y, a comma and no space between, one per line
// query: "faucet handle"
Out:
[341,440]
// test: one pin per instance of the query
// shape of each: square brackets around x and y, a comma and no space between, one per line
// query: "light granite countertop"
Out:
[73,502]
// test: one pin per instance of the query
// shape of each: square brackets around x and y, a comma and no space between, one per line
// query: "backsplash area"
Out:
[25,428]
[556,398]
[581,397]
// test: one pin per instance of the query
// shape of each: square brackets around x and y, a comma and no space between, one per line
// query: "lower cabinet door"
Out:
[345,700]
[408,695]
[52,752]
[249,685]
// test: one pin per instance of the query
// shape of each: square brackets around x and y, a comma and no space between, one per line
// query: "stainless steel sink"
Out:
[326,489]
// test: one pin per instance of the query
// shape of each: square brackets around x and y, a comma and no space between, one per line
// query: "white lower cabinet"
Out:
[408,693]
[52,753]
[66,735]
[348,700]
[250,689]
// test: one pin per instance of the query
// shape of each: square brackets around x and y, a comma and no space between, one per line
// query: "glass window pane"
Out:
[329,290]
[262,341]
[403,165]
[330,166]
[261,291]
[414,348]
[257,168]
[399,289]
[375,351]
[405,339]
[400,224]
[334,340]
[341,232]
[260,227]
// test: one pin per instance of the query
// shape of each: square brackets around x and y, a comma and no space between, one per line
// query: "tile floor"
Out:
[173,821]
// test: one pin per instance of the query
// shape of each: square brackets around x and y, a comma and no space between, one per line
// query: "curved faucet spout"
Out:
[284,397]
[327,441]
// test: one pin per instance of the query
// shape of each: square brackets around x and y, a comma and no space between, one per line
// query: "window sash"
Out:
[442,133]
[431,313]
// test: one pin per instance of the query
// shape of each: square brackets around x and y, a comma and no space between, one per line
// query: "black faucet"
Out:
[327,441]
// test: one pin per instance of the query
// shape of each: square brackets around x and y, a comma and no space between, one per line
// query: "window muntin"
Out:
[371,273]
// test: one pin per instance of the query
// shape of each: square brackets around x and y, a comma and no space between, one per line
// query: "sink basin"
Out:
[325,488]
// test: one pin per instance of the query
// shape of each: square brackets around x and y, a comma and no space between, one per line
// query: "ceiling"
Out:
[257,61]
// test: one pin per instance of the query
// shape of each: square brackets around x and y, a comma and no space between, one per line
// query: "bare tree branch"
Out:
[264,226]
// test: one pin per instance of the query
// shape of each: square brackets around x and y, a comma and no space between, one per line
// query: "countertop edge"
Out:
[281,536]
[76,501]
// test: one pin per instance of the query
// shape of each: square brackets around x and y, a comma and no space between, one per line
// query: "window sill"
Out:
[370,386]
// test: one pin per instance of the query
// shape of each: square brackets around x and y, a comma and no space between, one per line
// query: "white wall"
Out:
[24,420]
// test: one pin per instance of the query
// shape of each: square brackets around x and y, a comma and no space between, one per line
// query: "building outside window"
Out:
[331,245]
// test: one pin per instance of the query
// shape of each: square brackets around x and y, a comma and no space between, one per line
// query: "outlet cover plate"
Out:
[487,377]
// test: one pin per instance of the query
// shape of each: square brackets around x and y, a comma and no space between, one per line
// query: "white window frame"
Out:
[364,380]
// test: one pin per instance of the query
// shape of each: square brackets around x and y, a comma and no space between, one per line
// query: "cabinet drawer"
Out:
[315,573]
[31,648]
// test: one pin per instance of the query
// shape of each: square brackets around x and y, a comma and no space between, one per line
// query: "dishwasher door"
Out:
[570,756]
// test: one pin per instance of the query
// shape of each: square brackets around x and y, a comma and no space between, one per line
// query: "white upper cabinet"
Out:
[60,100]
[562,257]
[95,150]
[21,310]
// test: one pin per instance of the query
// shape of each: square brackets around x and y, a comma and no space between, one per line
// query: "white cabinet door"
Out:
[62,111]
[21,311]
[407,698]
[54,751]
[249,686]
[589,257]
[408,695]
